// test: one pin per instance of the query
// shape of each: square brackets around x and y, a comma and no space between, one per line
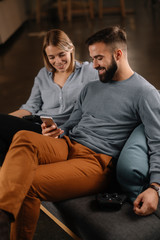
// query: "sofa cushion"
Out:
[88,221]
[132,166]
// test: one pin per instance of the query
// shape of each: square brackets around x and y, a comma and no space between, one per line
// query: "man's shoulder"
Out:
[142,81]
[145,89]
[92,84]
[89,88]
[142,84]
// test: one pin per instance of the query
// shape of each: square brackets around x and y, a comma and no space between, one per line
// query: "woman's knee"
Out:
[24,136]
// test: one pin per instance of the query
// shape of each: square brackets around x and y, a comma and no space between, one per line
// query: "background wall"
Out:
[21,58]
[12,15]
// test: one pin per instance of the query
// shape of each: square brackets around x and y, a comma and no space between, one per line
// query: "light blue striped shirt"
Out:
[47,98]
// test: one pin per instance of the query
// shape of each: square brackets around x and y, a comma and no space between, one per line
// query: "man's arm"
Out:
[150,116]
[53,131]
[146,203]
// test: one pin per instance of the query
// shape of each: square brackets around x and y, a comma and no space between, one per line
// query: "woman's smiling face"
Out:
[58,58]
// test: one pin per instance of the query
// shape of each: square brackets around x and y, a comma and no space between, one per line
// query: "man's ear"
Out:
[118,54]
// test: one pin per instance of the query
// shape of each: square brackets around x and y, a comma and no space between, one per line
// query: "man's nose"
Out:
[95,64]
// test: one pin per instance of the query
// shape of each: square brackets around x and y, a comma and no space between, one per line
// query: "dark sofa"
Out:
[87,221]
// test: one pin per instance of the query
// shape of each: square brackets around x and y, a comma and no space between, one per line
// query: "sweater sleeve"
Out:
[149,106]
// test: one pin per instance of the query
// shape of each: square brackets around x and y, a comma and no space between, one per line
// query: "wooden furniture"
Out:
[79,7]
[12,16]
[56,4]
[119,9]
[73,7]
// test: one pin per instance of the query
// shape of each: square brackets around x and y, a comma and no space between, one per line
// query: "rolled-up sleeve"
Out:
[34,102]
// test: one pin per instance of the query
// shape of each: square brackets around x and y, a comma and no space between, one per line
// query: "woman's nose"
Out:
[57,59]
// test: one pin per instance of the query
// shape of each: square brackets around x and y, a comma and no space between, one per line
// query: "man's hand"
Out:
[51,131]
[146,202]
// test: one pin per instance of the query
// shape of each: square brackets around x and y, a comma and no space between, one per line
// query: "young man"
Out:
[80,162]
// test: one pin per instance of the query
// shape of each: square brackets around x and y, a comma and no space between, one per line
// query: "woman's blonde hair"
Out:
[58,38]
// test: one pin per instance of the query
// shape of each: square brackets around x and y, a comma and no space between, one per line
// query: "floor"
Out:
[21,59]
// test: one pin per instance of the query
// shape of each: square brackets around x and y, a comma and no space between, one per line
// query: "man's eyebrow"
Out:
[98,56]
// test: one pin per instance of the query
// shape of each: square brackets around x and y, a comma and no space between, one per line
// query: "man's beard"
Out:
[108,74]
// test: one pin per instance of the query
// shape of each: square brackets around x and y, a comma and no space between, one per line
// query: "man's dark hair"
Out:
[108,35]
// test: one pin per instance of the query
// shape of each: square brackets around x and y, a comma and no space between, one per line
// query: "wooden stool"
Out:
[60,10]
[79,7]
[119,9]
[58,4]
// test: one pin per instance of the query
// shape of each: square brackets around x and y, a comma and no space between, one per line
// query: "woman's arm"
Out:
[34,102]
[20,113]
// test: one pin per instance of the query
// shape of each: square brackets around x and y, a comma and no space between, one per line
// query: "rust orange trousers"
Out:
[38,168]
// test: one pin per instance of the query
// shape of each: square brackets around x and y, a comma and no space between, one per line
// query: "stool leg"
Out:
[91,9]
[60,10]
[122,4]
[69,10]
[38,11]
[100,7]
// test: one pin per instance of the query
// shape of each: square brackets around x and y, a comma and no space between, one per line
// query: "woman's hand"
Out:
[51,131]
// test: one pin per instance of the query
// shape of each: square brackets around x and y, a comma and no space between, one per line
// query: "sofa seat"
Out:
[89,222]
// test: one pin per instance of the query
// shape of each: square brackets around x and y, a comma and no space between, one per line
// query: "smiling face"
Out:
[59,59]
[103,61]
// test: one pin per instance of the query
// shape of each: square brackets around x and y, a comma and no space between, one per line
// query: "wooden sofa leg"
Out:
[59,223]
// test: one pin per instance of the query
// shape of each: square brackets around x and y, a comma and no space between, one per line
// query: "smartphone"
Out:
[48,120]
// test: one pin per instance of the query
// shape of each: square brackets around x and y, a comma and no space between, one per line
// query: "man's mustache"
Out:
[100,68]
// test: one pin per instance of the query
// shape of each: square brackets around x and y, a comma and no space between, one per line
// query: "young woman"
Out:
[55,89]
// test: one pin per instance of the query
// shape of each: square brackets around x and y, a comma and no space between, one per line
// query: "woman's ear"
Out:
[71,49]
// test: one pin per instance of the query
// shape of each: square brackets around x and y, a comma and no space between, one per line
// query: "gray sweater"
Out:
[106,114]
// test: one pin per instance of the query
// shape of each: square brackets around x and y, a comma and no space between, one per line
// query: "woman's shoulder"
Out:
[85,66]
[43,76]
[44,70]
[44,73]
[85,72]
